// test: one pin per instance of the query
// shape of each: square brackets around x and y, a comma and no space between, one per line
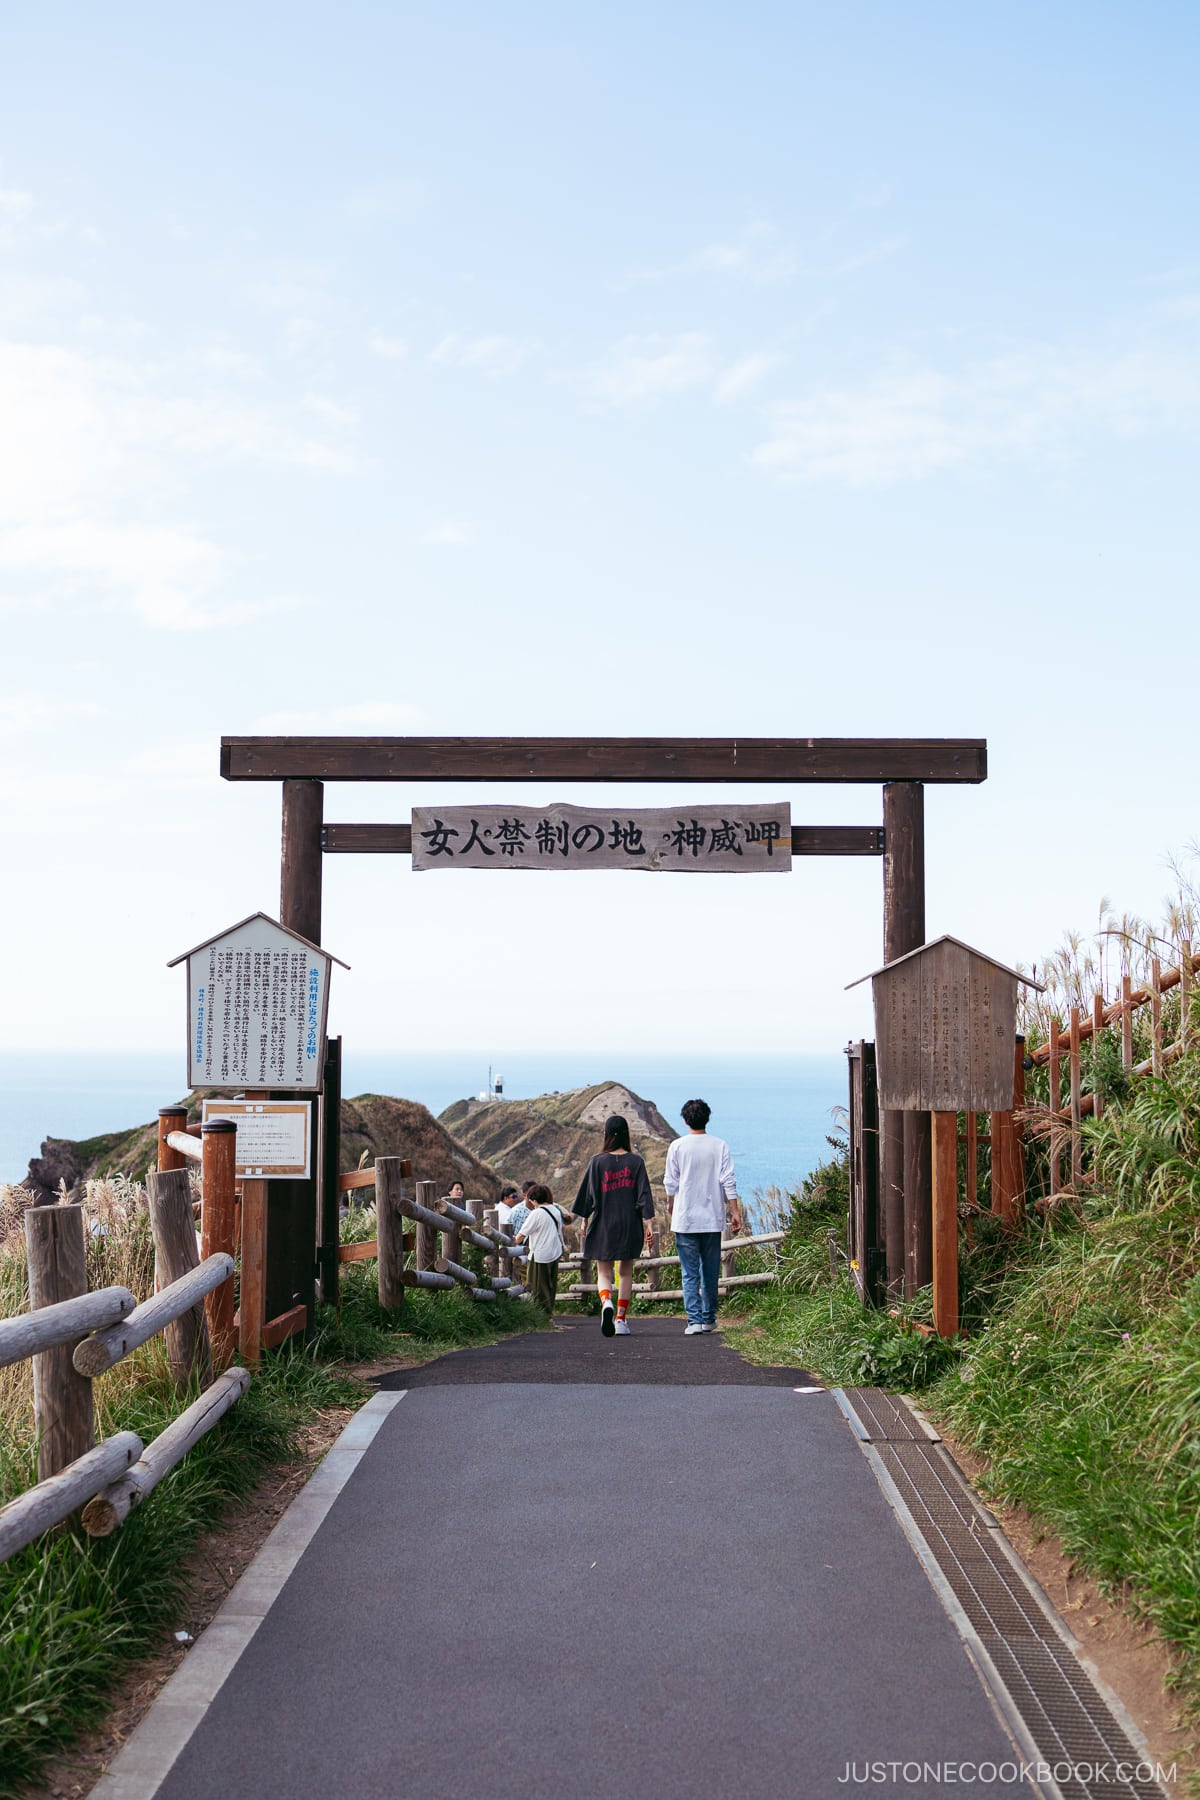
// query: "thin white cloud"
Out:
[453,531]
[387,199]
[392,349]
[333,410]
[744,374]
[27,713]
[1037,402]
[640,371]
[14,206]
[758,254]
[389,717]
[494,355]
[88,447]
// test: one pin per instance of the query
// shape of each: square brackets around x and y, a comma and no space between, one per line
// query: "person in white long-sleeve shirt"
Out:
[701,1185]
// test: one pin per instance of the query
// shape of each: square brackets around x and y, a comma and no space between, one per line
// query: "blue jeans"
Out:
[700,1265]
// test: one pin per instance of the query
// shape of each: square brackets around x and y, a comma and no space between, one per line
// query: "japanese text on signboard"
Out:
[694,840]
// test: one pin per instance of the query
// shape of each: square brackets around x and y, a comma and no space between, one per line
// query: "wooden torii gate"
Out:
[901,766]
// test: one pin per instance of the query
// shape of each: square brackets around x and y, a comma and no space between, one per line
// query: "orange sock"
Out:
[622,1308]
[606,1296]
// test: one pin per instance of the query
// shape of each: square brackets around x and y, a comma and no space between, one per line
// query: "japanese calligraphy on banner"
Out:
[258,995]
[702,840]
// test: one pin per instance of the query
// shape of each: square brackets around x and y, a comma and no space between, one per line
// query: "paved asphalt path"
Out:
[576,1566]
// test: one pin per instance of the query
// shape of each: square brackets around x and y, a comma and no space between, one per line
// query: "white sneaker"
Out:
[621,1329]
[694,1330]
[708,1328]
[608,1318]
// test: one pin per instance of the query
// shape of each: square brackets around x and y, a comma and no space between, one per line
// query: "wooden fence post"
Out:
[218,1176]
[1076,1099]
[1185,988]
[1155,1016]
[655,1274]
[1017,1141]
[169,1196]
[426,1236]
[491,1221]
[62,1398]
[944,1159]
[475,1255]
[1055,1105]
[389,1232]
[1126,1022]
[170,1118]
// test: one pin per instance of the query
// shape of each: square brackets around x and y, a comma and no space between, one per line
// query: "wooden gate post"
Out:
[218,1178]
[945,1222]
[330,1113]
[56,1243]
[905,1144]
[292,1205]
[389,1232]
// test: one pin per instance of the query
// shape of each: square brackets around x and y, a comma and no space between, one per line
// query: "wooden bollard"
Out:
[389,1231]
[427,1237]
[170,1199]
[56,1242]
[170,1118]
[218,1177]
[491,1222]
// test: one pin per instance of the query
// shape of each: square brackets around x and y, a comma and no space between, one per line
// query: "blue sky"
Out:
[781,370]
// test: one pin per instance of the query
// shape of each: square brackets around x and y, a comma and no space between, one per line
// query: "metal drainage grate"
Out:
[1003,1614]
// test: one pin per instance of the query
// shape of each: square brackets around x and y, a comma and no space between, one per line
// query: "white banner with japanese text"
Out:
[699,840]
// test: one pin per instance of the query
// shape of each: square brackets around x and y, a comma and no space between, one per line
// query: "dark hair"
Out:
[616,1133]
[526,1185]
[506,1190]
[539,1196]
[696,1113]
[456,1183]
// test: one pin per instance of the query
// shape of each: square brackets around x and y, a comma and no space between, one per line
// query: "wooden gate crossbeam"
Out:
[765,760]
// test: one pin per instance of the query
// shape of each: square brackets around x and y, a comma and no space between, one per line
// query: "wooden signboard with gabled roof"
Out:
[945,1020]
[258,999]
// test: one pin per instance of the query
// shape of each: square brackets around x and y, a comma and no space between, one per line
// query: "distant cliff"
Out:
[552,1138]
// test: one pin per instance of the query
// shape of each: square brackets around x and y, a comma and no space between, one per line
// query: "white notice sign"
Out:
[257,1001]
[274,1137]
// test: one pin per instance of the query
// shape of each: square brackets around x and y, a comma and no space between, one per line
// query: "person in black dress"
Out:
[615,1199]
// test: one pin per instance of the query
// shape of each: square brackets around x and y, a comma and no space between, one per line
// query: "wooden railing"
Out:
[1063,1049]
[655,1264]
[74,1336]
[435,1264]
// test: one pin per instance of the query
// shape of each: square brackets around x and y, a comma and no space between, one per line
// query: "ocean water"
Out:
[774,1111]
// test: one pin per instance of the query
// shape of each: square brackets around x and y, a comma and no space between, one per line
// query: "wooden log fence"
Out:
[442,1228]
[73,1336]
[112,1507]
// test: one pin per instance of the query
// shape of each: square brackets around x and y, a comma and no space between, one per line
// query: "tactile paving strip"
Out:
[1066,1715]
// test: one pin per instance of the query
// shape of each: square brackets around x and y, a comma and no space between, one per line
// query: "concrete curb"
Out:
[142,1764]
